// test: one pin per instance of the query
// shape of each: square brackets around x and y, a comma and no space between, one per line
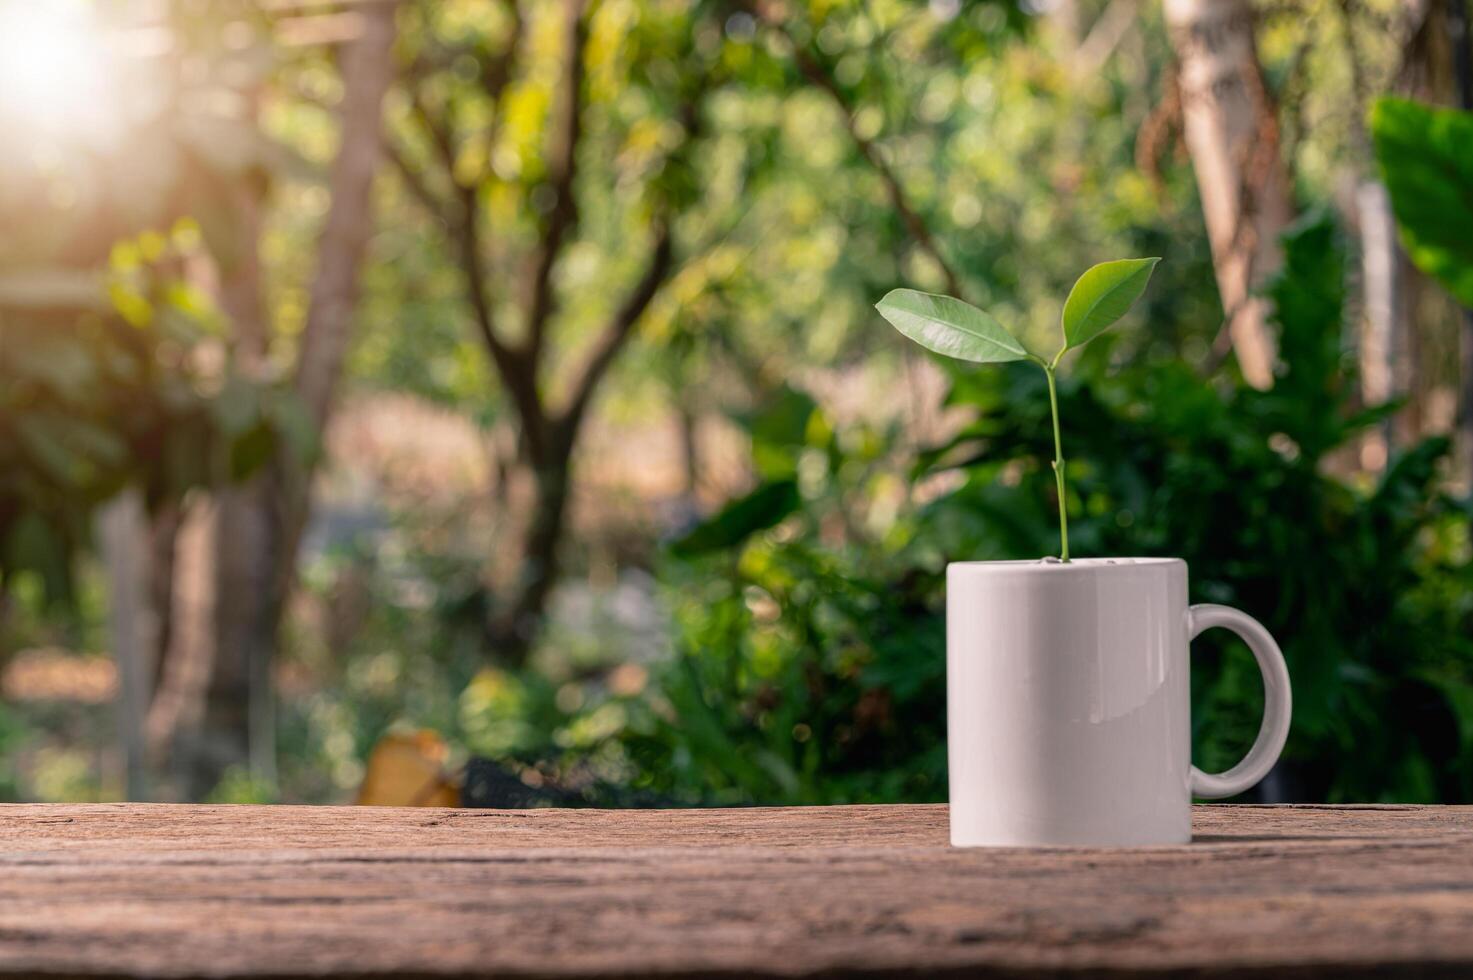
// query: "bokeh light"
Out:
[54,68]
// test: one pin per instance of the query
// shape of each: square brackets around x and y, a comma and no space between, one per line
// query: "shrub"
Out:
[809,663]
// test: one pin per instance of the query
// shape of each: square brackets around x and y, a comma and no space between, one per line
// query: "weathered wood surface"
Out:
[292,891]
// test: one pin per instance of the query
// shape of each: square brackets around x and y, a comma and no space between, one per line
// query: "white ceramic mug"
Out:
[1069,703]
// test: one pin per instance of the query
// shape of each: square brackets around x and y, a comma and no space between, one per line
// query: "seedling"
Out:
[956,329]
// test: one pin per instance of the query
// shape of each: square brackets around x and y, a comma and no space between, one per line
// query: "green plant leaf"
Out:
[949,326]
[1101,296]
[759,510]
[779,431]
[1426,158]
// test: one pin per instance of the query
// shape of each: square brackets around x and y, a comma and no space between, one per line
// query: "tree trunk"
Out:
[188,647]
[221,739]
[1461,35]
[368,70]
[259,524]
[690,450]
[167,522]
[513,629]
[1230,131]
[123,535]
[1382,323]
[546,435]
[232,732]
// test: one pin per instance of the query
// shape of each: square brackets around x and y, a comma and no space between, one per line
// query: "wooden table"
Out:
[291,891]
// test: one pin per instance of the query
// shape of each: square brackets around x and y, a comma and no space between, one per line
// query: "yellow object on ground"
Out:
[408,769]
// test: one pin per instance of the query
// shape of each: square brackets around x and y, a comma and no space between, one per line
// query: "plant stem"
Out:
[1053,404]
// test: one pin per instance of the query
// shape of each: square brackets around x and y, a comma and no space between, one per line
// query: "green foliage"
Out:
[1102,296]
[801,676]
[1426,158]
[807,614]
[1239,484]
[95,399]
[806,670]
[956,329]
[239,786]
[11,737]
[810,668]
[757,511]
[950,327]
[793,665]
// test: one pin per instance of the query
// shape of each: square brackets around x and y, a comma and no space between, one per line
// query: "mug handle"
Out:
[1277,701]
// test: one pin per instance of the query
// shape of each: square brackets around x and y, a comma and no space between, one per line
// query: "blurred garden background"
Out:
[414,401]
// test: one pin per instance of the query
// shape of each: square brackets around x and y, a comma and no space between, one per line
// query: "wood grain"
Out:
[134,890]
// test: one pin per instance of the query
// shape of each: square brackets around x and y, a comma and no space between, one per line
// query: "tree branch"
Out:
[464,220]
[562,171]
[1103,38]
[497,74]
[439,129]
[437,206]
[820,78]
[368,71]
[516,370]
[661,264]
[463,216]
[619,330]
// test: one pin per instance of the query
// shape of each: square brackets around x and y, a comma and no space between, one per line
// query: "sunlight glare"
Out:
[53,74]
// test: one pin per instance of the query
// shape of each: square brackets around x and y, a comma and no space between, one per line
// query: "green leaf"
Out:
[949,326]
[1101,296]
[779,431]
[237,408]
[1426,158]
[293,425]
[41,436]
[757,511]
[37,546]
[251,450]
